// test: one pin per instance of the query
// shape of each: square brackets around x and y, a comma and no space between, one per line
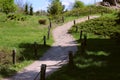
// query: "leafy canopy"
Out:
[78,4]
[55,7]
[7,6]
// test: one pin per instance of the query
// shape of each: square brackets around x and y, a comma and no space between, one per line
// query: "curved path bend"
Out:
[56,56]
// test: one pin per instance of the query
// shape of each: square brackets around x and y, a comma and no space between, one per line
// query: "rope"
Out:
[50,66]
[37,76]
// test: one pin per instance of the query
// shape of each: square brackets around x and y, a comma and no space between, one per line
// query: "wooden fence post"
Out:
[63,19]
[14,56]
[50,24]
[35,49]
[81,34]
[88,17]
[43,72]
[71,63]
[82,47]
[44,38]
[74,22]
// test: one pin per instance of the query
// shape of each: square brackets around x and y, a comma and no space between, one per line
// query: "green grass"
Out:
[100,60]
[88,10]
[21,35]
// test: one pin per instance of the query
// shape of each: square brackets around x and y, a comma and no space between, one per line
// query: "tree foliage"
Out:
[7,6]
[55,7]
[31,10]
[78,4]
[26,9]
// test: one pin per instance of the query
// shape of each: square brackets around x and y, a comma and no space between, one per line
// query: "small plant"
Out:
[16,17]
[11,17]
[42,21]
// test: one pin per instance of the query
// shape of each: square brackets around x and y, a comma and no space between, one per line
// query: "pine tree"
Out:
[26,9]
[31,10]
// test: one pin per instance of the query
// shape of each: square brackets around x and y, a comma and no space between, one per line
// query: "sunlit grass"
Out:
[21,35]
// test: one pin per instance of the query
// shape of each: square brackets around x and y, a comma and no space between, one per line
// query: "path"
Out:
[56,56]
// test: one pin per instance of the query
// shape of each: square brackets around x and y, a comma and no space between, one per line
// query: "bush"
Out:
[42,21]
[88,11]
[105,26]
[17,17]
[5,58]
[115,35]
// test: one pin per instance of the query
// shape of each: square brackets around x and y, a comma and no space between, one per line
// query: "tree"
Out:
[78,4]
[31,10]
[26,9]
[8,6]
[55,7]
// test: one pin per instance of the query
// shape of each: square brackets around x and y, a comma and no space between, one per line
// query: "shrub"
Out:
[88,10]
[115,35]
[5,58]
[17,17]
[42,21]
[105,26]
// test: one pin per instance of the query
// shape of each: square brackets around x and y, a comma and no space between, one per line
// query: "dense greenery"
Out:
[78,4]
[106,26]
[101,58]
[26,9]
[88,10]
[7,6]
[55,8]
[31,10]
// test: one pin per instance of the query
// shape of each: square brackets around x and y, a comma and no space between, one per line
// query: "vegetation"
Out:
[88,10]
[24,32]
[21,35]
[26,9]
[101,58]
[31,10]
[55,8]
[7,6]
[78,4]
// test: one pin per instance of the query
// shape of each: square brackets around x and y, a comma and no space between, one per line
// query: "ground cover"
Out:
[100,61]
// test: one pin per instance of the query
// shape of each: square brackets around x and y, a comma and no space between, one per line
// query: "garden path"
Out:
[56,56]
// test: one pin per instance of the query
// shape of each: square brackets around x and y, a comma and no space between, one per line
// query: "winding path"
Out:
[56,56]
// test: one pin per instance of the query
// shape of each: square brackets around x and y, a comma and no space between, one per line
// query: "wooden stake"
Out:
[43,72]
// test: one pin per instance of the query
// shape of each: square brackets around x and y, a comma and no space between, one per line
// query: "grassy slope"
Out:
[100,62]
[21,35]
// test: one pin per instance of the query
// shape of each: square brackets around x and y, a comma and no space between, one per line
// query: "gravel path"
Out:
[56,56]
